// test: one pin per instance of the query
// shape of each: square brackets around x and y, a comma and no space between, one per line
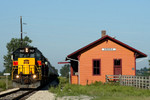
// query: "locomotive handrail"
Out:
[37,69]
[16,67]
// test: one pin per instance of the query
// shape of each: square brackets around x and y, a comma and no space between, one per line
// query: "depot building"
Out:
[105,56]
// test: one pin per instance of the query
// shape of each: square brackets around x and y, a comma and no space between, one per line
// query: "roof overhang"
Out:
[63,62]
[75,54]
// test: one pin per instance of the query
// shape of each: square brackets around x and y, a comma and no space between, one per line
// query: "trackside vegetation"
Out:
[100,91]
[3,83]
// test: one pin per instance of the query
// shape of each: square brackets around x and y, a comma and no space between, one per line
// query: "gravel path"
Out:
[82,97]
[46,95]
[42,95]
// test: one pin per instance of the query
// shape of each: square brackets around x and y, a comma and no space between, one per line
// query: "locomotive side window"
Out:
[16,55]
[38,55]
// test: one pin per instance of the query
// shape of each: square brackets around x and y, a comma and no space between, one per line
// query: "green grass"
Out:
[3,84]
[100,91]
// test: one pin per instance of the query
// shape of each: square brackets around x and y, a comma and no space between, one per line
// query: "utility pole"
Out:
[21,29]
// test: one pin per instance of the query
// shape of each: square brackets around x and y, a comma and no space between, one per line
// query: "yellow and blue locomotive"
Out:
[30,68]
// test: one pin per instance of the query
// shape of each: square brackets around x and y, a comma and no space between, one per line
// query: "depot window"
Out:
[96,67]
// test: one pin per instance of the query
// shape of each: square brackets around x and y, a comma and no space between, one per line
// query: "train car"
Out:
[30,68]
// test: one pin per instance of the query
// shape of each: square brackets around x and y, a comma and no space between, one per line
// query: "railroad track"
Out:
[17,94]
[22,94]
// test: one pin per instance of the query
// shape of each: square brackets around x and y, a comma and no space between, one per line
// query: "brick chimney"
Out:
[103,33]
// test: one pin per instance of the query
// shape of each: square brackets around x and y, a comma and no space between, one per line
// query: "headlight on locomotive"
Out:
[26,50]
[34,76]
[17,76]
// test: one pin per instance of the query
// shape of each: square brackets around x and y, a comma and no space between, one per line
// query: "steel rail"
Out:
[8,93]
[16,95]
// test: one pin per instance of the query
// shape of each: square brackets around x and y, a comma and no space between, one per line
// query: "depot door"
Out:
[117,67]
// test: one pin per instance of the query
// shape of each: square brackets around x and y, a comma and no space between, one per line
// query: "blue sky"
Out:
[60,27]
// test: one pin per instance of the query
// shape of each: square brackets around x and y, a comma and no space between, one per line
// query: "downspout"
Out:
[78,68]
[135,55]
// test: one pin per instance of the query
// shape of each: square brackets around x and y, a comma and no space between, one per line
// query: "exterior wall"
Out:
[74,79]
[107,62]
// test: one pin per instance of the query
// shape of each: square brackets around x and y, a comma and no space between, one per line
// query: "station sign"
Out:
[108,49]
[6,74]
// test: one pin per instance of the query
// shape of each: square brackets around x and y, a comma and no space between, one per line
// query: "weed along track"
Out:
[17,94]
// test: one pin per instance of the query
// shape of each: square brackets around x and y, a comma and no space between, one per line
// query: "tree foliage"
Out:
[14,44]
[64,71]
[143,71]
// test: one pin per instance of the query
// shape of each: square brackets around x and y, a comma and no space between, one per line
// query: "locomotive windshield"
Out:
[23,55]
[27,53]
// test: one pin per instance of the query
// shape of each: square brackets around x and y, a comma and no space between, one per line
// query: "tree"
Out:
[1,73]
[14,44]
[143,71]
[64,71]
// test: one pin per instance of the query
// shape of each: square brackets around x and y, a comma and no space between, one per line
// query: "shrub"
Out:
[98,90]
[2,85]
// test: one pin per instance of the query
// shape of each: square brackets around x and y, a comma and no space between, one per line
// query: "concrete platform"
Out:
[9,90]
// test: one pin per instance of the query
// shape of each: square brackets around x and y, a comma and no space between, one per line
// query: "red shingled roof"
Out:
[78,52]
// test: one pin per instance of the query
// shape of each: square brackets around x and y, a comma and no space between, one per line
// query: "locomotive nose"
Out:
[26,65]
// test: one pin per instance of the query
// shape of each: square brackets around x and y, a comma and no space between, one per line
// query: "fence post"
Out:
[125,80]
[139,81]
[142,82]
[120,80]
[131,80]
[128,80]
[134,81]
[106,78]
[149,82]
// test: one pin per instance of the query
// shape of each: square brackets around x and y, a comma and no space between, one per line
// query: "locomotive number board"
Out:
[27,50]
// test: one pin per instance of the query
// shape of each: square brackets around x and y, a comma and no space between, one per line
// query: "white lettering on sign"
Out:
[21,51]
[6,73]
[108,49]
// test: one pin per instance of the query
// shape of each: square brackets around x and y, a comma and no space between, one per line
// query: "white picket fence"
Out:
[129,80]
